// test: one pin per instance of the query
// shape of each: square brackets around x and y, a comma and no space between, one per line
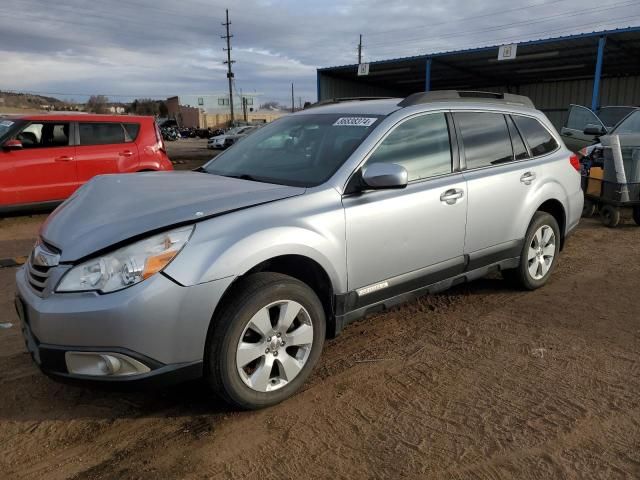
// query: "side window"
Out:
[44,135]
[421,145]
[519,148]
[579,117]
[538,138]
[485,138]
[101,133]
[132,130]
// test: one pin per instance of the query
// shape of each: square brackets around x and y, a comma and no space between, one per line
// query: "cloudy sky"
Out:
[141,48]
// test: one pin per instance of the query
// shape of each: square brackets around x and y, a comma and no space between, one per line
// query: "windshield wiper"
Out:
[245,176]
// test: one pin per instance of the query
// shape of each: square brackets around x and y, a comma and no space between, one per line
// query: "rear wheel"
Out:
[636,215]
[539,253]
[610,216]
[266,341]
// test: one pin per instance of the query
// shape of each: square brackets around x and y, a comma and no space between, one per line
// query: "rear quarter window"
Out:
[132,130]
[538,138]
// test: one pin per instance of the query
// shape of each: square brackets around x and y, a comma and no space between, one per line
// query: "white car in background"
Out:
[230,137]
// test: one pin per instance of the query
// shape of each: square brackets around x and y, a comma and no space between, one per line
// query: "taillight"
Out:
[159,138]
[575,162]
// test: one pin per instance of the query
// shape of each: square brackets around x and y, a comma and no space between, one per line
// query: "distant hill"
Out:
[28,100]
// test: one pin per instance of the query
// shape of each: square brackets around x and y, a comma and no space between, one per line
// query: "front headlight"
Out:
[126,266]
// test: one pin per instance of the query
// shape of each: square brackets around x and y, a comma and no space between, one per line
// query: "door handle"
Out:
[63,158]
[527,178]
[126,153]
[451,196]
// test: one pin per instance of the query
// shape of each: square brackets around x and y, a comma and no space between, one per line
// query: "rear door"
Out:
[500,176]
[105,147]
[573,132]
[45,168]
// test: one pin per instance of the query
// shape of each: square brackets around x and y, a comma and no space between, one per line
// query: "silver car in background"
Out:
[238,273]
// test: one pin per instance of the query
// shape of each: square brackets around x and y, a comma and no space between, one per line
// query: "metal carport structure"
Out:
[592,69]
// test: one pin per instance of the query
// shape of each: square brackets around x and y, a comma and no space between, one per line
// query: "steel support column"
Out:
[427,81]
[318,84]
[595,99]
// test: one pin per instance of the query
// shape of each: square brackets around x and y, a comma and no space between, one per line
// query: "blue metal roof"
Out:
[492,47]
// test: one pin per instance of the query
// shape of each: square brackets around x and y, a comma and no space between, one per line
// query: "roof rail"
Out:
[346,99]
[441,95]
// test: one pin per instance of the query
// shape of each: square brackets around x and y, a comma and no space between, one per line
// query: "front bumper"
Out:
[157,322]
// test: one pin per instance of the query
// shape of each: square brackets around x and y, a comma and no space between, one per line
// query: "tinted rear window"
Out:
[539,139]
[101,133]
[485,138]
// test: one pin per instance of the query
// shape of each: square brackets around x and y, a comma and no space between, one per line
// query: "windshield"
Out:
[610,116]
[297,150]
[631,124]
[6,128]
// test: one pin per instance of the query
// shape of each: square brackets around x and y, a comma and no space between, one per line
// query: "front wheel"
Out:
[266,340]
[539,253]
[636,215]
[610,216]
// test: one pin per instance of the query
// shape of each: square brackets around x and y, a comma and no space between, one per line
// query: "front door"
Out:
[45,168]
[400,240]
[573,132]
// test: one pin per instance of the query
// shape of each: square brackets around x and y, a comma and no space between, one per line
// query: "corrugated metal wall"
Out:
[553,98]
[339,88]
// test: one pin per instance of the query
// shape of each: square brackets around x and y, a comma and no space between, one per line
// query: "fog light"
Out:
[103,364]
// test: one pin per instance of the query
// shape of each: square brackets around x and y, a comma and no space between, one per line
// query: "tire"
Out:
[610,216]
[636,215]
[245,329]
[532,259]
[588,209]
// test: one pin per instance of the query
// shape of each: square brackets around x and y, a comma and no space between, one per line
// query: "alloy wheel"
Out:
[274,346]
[542,251]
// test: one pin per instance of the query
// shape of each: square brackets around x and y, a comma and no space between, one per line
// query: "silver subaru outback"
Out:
[239,271]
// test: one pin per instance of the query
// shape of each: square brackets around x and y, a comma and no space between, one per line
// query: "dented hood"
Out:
[114,208]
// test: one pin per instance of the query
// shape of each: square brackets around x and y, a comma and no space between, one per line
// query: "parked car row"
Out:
[231,136]
[45,158]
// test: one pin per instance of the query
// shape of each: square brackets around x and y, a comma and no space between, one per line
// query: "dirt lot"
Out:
[479,382]
[189,153]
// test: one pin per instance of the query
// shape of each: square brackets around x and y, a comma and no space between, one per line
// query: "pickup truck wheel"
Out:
[539,253]
[265,342]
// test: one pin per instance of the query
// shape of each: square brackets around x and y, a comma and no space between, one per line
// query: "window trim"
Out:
[124,130]
[72,138]
[455,156]
[463,159]
[524,142]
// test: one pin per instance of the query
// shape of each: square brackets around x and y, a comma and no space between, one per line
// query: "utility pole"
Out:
[228,63]
[293,105]
[360,50]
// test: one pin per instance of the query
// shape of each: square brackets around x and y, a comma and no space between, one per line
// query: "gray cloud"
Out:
[164,47]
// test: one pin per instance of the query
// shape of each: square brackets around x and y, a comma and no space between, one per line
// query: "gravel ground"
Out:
[189,153]
[481,382]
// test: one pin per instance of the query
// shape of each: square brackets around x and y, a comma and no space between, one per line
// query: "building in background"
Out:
[210,111]
[592,69]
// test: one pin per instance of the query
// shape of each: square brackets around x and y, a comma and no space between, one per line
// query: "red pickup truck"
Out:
[45,158]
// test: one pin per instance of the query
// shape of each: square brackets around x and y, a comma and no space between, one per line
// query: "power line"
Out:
[474,17]
[510,39]
[506,26]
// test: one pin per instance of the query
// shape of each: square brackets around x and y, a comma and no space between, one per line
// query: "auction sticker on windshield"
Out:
[354,122]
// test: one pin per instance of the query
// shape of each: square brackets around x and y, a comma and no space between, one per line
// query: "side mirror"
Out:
[379,176]
[12,145]
[593,129]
